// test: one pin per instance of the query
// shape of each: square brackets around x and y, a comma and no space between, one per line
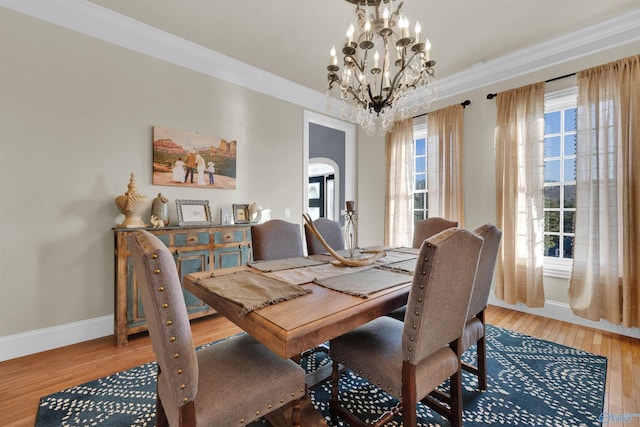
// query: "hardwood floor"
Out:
[26,379]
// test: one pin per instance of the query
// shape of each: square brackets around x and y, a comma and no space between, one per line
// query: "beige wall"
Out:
[75,119]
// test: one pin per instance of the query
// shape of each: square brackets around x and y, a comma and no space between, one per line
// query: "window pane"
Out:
[418,215]
[421,164]
[421,181]
[552,246]
[568,247]
[552,122]
[570,120]
[418,200]
[552,146]
[552,171]
[569,145]
[420,147]
[569,221]
[570,169]
[569,196]
[552,197]
[552,221]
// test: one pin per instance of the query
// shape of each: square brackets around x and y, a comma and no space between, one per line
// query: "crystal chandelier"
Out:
[383,66]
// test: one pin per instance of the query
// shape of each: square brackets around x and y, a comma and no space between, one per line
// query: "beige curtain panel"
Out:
[444,157]
[519,141]
[605,282]
[399,191]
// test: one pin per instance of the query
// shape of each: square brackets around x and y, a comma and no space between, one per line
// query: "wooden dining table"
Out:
[290,327]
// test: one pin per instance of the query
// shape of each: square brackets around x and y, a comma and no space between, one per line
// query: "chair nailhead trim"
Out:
[176,355]
[185,399]
[154,256]
[156,271]
[172,338]
[242,421]
[165,305]
[257,412]
[180,371]
[169,322]
[183,386]
[161,289]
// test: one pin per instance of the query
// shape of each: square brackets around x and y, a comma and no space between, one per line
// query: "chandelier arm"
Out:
[357,98]
[397,12]
[359,66]
[397,76]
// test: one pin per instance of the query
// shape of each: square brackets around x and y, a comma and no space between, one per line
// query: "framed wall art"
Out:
[241,214]
[193,212]
[189,159]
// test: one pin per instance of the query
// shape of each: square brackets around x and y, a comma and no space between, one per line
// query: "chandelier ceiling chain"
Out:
[383,65]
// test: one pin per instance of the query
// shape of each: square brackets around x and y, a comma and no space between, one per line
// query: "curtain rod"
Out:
[463,103]
[493,95]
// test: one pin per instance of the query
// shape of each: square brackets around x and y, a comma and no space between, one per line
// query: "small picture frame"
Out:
[226,216]
[241,213]
[193,212]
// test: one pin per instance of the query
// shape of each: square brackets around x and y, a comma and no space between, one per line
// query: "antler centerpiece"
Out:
[349,262]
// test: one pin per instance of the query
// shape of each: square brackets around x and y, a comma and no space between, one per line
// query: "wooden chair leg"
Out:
[456,399]
[334,403]
[409,395]
[295,413]
[481,350]
[161,416]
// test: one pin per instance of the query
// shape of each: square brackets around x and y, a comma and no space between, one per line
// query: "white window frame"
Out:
[419,132]
[554,101]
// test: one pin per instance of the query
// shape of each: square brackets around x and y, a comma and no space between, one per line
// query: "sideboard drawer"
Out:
[193,238]
[228,236]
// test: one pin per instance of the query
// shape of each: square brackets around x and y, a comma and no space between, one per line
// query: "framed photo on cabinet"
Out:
[193,212]
[241,214]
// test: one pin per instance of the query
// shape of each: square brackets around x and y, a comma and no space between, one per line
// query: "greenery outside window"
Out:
[559,181]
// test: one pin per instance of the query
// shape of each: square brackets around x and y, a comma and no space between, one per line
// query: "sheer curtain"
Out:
[399,193]
[519,144]
[444,157]
[605,282]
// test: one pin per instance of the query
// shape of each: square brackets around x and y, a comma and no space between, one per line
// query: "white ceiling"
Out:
[292,38]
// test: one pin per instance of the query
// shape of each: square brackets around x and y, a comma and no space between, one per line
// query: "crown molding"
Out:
[95,21]
[596,38]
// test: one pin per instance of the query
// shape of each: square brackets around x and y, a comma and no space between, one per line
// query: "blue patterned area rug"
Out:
[531,382]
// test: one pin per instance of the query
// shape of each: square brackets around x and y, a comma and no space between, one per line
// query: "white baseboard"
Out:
[560,311]
[23,344]
[18,345]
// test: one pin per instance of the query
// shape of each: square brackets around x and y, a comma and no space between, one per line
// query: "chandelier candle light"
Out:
[383,64]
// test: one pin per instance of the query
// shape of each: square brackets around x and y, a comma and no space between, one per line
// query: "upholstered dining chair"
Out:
[331,232]
[422,230]
[230,383]
[276,239]
[410,359]
[475,328]
[426,228]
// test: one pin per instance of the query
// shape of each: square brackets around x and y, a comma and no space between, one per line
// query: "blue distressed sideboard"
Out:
[200,248]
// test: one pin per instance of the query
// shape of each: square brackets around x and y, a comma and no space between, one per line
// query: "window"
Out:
[420,190]
[559,181]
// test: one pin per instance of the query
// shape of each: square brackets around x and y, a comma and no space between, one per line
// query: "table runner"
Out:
[284,264]
[366,282]
[250,290]
[298,276]
[406,266]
